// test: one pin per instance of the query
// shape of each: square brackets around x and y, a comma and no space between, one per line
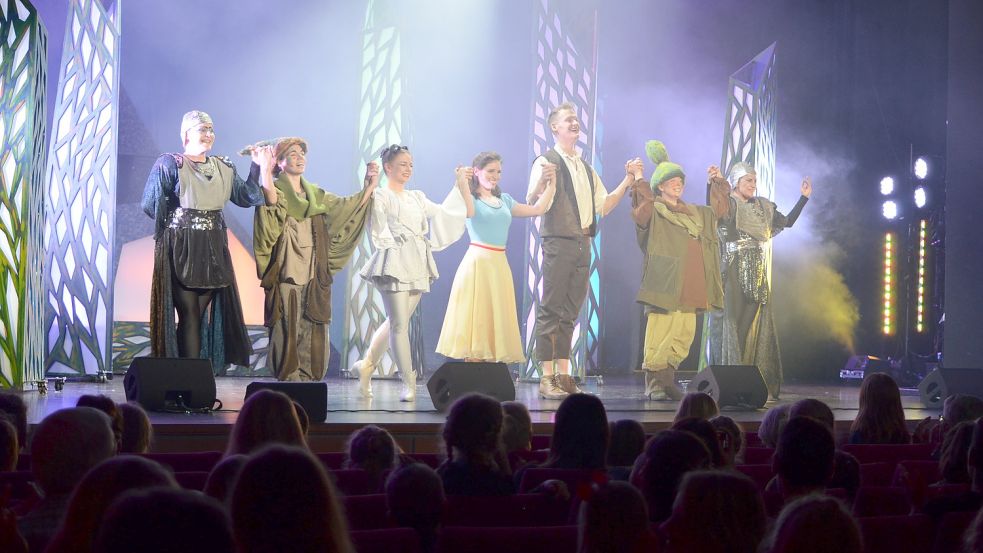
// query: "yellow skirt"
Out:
[481,321]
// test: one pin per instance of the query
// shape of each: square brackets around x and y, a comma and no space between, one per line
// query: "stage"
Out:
[416,426]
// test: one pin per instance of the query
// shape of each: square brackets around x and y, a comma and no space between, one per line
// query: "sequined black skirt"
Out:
[199,249]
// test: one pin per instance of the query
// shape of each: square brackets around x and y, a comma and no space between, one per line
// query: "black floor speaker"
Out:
[732,385]
[312,396]
[170,384]
[455,379]
[943,382]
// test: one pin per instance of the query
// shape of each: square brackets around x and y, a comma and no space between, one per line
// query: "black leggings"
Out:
[190,304]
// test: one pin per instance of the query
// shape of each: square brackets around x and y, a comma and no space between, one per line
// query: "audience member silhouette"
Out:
[222,478]
[162,520]
[9,447]
[972,499]
[580,434]
[415,499]
[13,406]
[846,468]
[137,430]
[803,461]
[373,450]
[716,511]
[267,417]
[697,404]
[627,443]
[614,519]
[108,406]
[64,447]
[95,493]
[702,429]
[303,418]
[772,424]
[730,437]
[284,501]
[814,524]
[667,458]
[955,454]
[476,462]
[516,427]
[880,418]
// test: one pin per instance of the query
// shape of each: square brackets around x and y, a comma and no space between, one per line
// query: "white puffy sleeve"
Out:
[447,219]
[379,230]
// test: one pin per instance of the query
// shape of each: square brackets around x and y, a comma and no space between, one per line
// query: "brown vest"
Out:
[563,218]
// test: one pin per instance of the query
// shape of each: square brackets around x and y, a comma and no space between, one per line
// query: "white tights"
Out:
[396,331]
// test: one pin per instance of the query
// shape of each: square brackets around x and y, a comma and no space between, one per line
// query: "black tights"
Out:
[190,304]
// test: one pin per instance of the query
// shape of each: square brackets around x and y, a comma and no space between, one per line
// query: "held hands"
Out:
[806,187]
[371,175]
[463,176]
[713,172]
[263,156]
[548,175]
[635,168]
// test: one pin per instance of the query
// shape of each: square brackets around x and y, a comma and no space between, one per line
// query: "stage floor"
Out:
[417,425]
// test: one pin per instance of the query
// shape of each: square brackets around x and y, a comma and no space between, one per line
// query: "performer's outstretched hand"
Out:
[371,175]
[463,177]
[635,168]
[262,156]
[713,172]
[806,187]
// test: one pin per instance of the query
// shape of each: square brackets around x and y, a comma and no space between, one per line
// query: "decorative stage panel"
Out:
[23,49]
[565,71]
[749,136]
[380,124]
[81,194]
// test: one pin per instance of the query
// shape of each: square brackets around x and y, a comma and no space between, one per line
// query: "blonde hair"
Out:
[565,106]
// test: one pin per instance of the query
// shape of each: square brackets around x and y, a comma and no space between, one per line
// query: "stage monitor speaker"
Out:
[943,382]
[455,379]
[170,384]
[732,385]
[312,396]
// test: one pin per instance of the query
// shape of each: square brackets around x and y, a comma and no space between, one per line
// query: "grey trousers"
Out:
[566,267]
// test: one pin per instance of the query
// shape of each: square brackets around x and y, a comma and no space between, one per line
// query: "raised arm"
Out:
[806,191]
[633,167]
[263,157]
[370,182]
[462,179]
[541,205]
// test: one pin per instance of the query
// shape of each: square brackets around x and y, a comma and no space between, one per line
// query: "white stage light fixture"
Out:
[920,197]
[887,186]
[921,168]
[890,210]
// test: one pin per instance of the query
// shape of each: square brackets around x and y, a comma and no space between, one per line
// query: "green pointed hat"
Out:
[664,169]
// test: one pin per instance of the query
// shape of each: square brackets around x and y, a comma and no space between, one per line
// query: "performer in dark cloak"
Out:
[743,333]
[185,194]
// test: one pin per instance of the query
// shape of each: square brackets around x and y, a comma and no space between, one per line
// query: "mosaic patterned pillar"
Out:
[749,136]
[380,123]
[750,132]
[23,48]
[81,194]
[565,71]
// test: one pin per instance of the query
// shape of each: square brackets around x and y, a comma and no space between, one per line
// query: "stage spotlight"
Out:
[890,210]
[921,169]
[920,197]
[887,186]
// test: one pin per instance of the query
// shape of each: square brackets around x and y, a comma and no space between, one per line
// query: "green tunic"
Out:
[300,243]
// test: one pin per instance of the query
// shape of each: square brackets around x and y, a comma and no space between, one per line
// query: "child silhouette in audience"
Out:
[476,463]
[814,524]
[415,499]
[880,418]
[137,431]
[716,512]
[614,519]
[667,458]
[267,417]
[627,443]
[697,404]
[373,450]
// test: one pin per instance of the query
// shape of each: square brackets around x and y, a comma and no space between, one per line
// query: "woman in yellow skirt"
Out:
[481,323]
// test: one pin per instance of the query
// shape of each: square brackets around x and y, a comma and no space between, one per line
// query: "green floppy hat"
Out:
[664,169]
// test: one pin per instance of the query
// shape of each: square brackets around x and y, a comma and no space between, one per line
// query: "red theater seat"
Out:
[761,474]
[512,510]
[533,477]
[548,539]
[917,476]
[889,453]
[366,512]
[881,501]
[334,460]
[758,455]
[949,532]
[353,482]
[388,540]
[897,534]
[876,474]
[192,461]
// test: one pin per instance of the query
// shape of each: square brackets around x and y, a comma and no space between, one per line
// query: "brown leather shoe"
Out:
[549,388]
[568,384]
